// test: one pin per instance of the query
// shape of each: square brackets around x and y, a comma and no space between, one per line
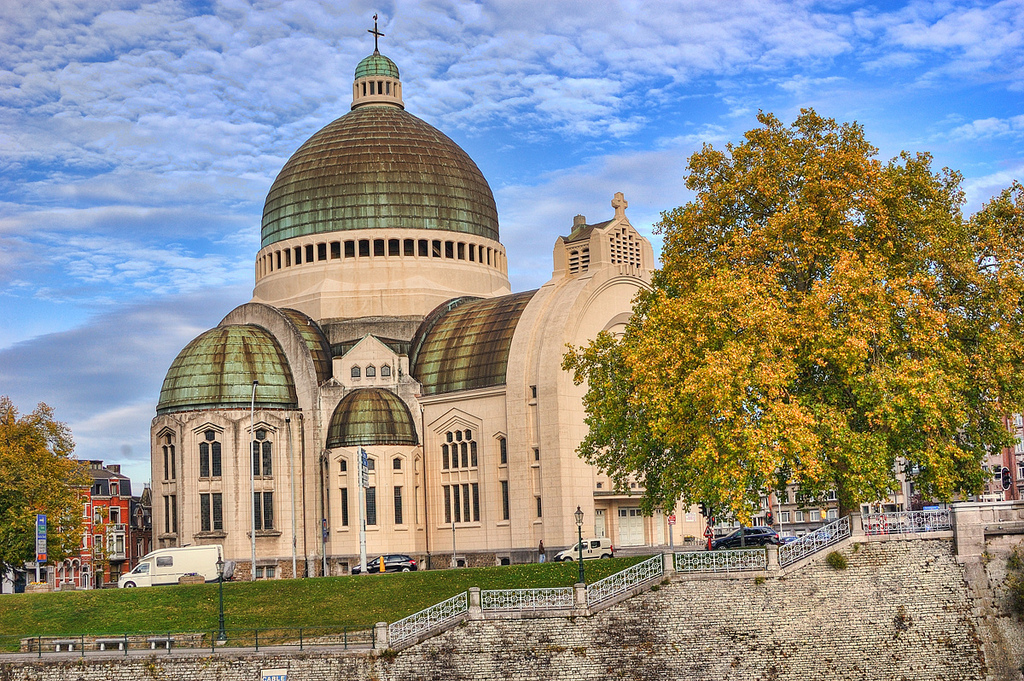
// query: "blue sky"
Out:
[138,141]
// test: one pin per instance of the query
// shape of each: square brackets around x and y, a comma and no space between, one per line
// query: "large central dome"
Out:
[378,167]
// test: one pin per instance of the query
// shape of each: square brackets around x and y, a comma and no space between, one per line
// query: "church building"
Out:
[382,321]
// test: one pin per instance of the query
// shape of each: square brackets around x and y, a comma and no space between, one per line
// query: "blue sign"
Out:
[41,538]
[274,675]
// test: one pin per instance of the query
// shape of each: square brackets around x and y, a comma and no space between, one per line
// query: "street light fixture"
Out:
[579,537]
[221,635]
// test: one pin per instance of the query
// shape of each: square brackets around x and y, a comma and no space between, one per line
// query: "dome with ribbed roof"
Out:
[376,65]
[378,167]
[217,368]
[371,416]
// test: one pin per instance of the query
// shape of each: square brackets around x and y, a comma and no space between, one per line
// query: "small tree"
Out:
[819,315]
[37,475]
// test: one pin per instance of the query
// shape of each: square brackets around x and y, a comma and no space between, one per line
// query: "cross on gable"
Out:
[376,34]
[619,203]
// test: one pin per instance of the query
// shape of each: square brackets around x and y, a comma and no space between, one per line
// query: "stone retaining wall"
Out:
[901,610]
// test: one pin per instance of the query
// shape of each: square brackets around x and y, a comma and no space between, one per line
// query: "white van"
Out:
[165,566]
[592,548]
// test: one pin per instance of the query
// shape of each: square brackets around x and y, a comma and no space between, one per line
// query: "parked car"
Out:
[592,548]
[394,562]
[752,536]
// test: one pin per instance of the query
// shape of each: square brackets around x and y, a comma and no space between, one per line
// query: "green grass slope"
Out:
[352,602]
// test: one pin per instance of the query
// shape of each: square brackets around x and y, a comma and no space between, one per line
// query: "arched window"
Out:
[355,372]
[262,455]
[396,463]
[371,371]
[385,371]
[209,455]
[343,465]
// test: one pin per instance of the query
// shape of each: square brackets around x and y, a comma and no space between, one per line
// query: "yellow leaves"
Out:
[819,314]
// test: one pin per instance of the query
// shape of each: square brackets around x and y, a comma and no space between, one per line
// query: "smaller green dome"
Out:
[371,416]
[217,368]
[376,65]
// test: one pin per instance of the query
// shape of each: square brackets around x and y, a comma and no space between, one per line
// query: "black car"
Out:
[752,537]
[395,562]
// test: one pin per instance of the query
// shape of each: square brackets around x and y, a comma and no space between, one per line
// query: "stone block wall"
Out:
[901,610]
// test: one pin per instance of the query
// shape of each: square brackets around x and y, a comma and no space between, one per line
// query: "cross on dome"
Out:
[376,34]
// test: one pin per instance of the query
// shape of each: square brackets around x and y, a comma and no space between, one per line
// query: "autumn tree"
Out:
[820,319]
[37,475]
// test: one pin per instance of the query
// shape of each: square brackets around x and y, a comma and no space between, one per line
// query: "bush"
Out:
[1015,580]
[836,561]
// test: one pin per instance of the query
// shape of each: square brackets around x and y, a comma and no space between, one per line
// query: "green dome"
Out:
[378,167]
[216,370]
[376,65]
[371,416]
[464,344]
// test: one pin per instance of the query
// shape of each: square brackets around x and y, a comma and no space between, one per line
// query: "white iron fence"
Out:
[722,561]
[527,599]
[907,522]
[425,620]
[821,538]
[621,582]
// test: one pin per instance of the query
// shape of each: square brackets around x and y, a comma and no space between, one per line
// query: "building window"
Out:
[476,500]
[371,505]
[398,507]
[371,371]
[385,371]
[355,372]
[503,450]
[536,454]
[266,572]
[168,449]
[504,500]
[533,391]
[263,510]
[115,515]
[350,249]
[344,506]
[262,455]
[784,517]
[171,514]
[209,456]
[815,516]
[396,463]
[211,512]
[447,504]
[799,516]
[472,453]
[371,464]
[832,514]
[465,504]
[457,504]
[540,510]
[343,465]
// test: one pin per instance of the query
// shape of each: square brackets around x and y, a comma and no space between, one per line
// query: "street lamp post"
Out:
[252,478]
[579,543]
[221,635]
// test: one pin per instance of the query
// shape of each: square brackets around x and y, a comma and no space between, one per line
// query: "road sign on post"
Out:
[364,468]
[41,538]
[709,533]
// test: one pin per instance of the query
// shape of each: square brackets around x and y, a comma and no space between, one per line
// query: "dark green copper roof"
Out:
[371,416]
[378,167]
[464,344]
[376,65]
[316,342]
[218,367]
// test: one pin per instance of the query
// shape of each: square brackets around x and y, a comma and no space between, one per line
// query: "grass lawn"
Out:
[354,602]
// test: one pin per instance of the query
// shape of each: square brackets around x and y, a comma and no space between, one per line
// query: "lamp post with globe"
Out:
[579,536]
[221,635]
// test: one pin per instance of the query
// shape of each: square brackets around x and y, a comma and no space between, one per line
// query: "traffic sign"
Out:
[708,532]
[324,526]
[672,519]
[41,538]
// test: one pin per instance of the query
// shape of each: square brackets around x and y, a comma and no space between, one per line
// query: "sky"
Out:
[138,141]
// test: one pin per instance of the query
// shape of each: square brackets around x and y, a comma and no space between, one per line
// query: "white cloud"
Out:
[986,128]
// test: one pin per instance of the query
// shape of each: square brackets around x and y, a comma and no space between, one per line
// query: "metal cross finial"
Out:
[376,34]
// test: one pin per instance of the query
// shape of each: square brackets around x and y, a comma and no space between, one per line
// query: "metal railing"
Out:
[556,598]
[427,619]
[907,522]
[622,582]
[722,561]
[813,542]
[209,640]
